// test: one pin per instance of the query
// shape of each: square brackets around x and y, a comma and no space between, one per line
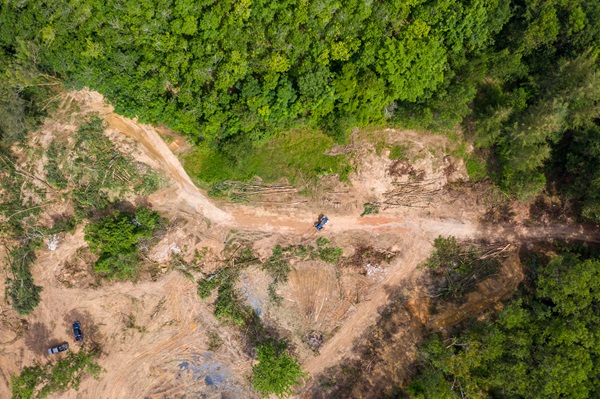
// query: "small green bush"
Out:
[370,209]
[322,241]
[207,285]
[276,371]
[476,168]
[229,306]
[115,238]
[331,254]
[278,265]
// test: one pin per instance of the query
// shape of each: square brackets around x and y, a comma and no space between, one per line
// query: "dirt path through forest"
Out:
[298,222]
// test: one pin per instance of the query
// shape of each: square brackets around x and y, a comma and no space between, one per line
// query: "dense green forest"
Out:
[520,75]
[544,344]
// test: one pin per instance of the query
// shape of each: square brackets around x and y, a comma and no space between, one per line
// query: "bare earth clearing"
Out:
[155,334]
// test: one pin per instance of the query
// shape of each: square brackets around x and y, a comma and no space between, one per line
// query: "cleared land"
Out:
[158,337]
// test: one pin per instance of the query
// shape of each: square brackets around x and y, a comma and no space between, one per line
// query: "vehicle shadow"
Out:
[38,338]
[89,329]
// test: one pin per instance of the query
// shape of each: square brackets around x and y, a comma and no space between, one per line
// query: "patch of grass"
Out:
[476,167]
[297,155]
[398,152]
[42,380]
[370,209]
[379,147]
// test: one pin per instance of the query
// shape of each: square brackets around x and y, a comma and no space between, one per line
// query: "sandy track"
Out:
[149,138]
[406,223]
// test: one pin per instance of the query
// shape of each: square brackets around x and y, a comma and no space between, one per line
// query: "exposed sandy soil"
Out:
[155,334]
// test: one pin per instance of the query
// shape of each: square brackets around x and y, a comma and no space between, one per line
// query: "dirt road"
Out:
[152,328]
[422,229]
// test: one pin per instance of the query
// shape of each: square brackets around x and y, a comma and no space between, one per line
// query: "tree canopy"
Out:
[542,345]
[116,238]
[522,75]
[220,69]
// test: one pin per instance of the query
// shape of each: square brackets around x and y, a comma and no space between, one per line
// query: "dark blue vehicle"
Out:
[58,348]
[322,222]
[77,331]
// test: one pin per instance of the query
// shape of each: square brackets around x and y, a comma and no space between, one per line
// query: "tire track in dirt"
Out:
[367,312]
[158,149]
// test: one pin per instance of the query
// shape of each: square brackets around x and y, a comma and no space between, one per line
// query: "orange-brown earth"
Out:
[158,337]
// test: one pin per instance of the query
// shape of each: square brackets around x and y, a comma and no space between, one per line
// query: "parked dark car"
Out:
[58,348]
[77,331]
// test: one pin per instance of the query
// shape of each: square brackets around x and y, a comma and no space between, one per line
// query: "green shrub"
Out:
[40,381]
[54,174]
[25,385]
[22,291]
[322,241]
[276,371]
[330,254]
[228,275]
[115,238]
[370,209]
[476,168]
[229,306]
[278,265]
[207,285]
